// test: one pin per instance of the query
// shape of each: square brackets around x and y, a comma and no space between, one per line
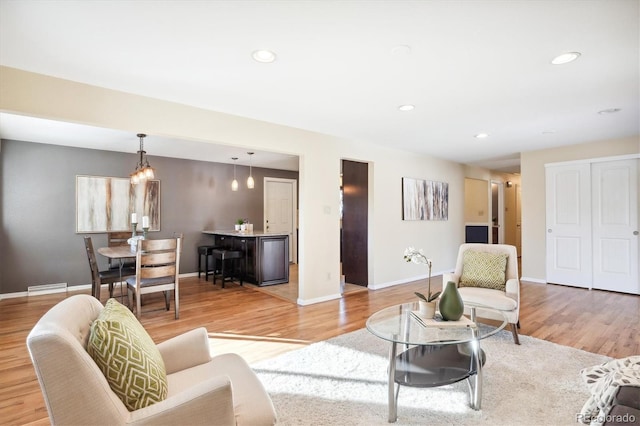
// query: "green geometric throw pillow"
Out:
[482,269]
[127,357]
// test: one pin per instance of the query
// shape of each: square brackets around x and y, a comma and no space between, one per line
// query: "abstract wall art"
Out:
[105,204]
[424,199]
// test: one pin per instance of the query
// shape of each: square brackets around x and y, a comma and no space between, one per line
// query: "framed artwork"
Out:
[105,204]
[424,199]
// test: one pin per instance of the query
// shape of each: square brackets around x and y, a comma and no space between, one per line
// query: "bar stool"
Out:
[206,251]
[221,256]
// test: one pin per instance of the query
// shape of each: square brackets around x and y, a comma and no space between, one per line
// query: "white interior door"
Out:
[279,209]
[615,225]
[568,220]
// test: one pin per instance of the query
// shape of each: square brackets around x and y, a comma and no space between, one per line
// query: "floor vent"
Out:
[46,289]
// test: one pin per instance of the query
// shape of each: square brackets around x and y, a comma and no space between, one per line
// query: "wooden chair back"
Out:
[157,258]
[157,269]
[116,239]
[93,265]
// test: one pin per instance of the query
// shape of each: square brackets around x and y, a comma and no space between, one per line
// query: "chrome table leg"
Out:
[393,394]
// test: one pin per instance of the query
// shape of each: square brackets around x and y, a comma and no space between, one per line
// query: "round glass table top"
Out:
[403,324]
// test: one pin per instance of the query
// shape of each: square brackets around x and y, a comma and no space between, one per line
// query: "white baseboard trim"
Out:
[190,274]
[68,289]
[304,302]
[380,286]
[533,280]
[13,295]
[405,280]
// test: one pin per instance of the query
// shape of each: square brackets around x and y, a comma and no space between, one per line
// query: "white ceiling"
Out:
[344,67]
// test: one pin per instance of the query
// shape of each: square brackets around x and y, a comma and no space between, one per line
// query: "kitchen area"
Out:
[265,256]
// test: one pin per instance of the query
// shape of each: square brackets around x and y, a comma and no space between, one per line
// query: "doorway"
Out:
[355,222]
[280,208]
[497,213]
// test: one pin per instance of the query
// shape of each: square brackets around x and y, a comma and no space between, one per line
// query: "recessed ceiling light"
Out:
[264,56]
[548,132]
[482,135]
[407,107]
[565,58]
[609,111]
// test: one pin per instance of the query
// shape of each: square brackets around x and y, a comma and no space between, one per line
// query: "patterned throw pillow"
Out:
[128,357]
[603,382]
[483,269]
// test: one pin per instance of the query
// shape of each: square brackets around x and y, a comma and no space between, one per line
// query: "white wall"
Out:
[32,94]
[389,234]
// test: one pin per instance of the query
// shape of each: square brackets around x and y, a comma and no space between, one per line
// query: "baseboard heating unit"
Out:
[34,290]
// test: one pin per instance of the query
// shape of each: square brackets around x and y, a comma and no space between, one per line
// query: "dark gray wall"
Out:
[38,242]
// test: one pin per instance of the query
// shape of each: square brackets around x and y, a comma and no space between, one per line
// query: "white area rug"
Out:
[343,381]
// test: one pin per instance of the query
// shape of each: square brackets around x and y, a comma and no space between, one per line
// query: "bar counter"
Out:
[266,254]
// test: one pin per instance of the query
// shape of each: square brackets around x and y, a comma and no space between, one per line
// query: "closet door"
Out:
[568,199]
[615,225]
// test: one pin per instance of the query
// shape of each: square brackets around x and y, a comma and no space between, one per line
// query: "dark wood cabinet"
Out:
[272,259]
[266,256]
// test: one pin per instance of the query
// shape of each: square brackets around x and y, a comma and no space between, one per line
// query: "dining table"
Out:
[119,253]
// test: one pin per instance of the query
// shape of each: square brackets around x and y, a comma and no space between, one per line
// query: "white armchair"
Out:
[201,390]
[507,301]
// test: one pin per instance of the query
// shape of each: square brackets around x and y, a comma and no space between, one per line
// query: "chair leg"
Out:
[95,290]
[130,297]
[176,302]
[518,323]
[222,271]
[167,300]
[514,330]
[138,304]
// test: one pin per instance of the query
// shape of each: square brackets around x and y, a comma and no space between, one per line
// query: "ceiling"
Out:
[344,67]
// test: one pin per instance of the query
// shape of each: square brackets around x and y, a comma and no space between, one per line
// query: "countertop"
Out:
[232,233]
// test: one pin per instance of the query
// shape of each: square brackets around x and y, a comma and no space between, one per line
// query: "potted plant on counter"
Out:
[427,303]
[239,224]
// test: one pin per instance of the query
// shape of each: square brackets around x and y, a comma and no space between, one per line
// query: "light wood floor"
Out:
[289,291]
[258,326]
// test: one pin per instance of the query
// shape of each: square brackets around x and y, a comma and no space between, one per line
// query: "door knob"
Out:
[635,232]
[549,231]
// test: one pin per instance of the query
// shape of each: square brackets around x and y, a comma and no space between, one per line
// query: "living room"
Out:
[34,226]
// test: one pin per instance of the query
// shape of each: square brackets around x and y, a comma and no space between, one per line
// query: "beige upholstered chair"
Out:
[201,390]
[507,301]
[157,269]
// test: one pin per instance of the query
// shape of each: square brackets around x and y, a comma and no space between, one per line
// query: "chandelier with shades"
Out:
[143,170]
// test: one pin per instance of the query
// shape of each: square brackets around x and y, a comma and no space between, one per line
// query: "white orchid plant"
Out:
[417,256]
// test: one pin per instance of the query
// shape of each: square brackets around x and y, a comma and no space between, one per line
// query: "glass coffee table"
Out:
[433,353]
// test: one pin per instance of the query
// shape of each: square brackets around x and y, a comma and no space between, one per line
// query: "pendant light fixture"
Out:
[143,170]
[234,182]
[250,181]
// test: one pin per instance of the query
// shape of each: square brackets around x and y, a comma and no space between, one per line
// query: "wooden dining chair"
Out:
[117,239]
[98,277]
[157,269]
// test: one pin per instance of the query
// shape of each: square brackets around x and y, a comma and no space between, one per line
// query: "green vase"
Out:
[451,306]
